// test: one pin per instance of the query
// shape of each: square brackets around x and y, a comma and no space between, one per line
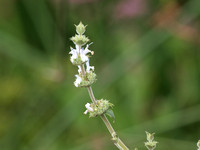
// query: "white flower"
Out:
[74,53]
[88,67]
[78,80]
[87,50]
[79,69]
[82,53]
[88,108]
[85,112]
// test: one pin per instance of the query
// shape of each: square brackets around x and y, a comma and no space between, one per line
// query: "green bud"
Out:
[80,39]
[80,29]
[150,136]
[150,145]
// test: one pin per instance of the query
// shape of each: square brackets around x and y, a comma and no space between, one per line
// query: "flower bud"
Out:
[150,136]
[80,29]
[150,144]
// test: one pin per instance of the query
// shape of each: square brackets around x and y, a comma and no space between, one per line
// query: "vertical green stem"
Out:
[91,94]
[116,139]
[120,145]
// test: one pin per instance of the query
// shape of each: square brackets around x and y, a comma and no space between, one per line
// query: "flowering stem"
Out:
[81,40]
[91,94]
[116,139]
[118,142]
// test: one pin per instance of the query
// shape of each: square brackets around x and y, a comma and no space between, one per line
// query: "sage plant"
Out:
[80,56]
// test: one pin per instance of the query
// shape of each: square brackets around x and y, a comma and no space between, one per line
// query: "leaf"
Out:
[110,113]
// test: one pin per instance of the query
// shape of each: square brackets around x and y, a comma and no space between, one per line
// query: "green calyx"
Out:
[100,107]
[150,136]
[80,28]
[79,39]
[151,145]
[88,80]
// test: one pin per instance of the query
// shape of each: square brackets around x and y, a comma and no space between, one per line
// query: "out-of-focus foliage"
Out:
[147,59]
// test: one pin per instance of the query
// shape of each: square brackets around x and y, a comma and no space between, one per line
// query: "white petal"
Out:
[74,54]
[86,112]
[88,107]
[76,84]
[71,59]
[78,80]
[72,50]
[87,50]
[89,67]
[84,57]
[79,69]
[77,48]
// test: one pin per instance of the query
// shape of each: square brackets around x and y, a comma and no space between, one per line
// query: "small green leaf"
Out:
[110,113]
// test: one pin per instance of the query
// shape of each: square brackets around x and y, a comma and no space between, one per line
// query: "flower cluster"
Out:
[101,107]
[80,57]
[150,144]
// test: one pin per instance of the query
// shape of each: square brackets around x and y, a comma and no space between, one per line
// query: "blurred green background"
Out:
[147,58]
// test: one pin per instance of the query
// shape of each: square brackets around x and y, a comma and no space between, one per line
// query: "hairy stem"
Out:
[120,145]
[91,94]
[116,139]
